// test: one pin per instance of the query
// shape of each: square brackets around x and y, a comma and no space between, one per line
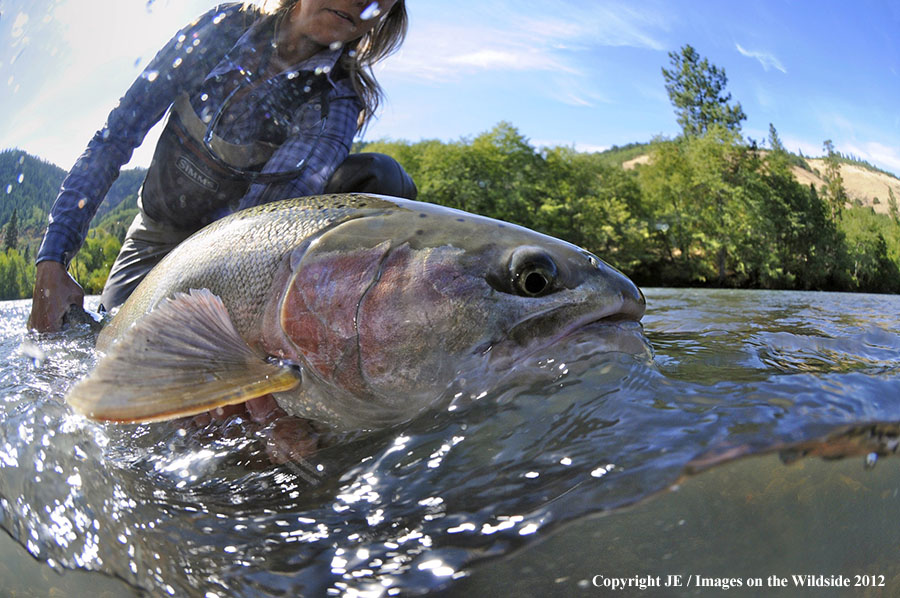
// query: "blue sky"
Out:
[582,73]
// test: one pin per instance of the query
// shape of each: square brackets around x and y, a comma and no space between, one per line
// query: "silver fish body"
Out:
[356,311]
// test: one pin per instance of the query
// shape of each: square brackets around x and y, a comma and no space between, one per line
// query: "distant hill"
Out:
[30,185]
[865,185]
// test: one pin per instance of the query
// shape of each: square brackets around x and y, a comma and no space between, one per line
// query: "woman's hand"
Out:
[54,292]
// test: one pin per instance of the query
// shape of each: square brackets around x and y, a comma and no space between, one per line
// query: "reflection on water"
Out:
[525,463]
[749,520]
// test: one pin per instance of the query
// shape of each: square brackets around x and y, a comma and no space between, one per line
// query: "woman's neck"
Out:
[291,46]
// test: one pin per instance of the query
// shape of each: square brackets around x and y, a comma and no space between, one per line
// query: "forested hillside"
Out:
[708,207]
[28,188]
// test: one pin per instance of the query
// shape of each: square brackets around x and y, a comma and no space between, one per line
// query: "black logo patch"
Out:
[191,171]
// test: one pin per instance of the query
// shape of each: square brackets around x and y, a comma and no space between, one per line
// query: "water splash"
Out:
[573,431]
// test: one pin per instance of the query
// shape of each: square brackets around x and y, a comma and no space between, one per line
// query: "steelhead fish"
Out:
[356,311]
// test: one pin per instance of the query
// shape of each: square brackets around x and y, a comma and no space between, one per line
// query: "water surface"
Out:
[560,472]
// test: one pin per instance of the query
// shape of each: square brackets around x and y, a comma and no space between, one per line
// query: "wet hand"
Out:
[54,292]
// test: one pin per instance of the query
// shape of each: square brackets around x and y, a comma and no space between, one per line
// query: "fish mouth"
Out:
[540,330]
[606,331]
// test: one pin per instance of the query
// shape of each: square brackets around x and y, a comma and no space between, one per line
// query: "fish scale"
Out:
[257,240]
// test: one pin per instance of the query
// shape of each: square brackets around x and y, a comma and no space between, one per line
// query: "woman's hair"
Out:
[361,54]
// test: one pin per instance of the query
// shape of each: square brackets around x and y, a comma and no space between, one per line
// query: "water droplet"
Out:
[18,26]
[176,63]
[150,75]
[33,352]
[370,12]
[871,460]
[21,178]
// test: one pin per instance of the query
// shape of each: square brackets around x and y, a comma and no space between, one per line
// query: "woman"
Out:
[262,105]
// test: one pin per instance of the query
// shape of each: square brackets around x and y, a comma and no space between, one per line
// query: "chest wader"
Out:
[186,188]
[183,191]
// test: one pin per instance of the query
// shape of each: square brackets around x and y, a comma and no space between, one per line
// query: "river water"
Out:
[753,446]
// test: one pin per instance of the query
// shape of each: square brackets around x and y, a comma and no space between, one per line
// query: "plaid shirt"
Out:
[205,60]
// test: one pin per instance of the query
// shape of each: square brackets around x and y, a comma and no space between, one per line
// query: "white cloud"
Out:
[883,156]
[595,24]
[578,146]
[77,62]
[508,59]
[810,149]
[766,59]
[522,36]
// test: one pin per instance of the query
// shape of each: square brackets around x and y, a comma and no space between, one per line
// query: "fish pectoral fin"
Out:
[183,358]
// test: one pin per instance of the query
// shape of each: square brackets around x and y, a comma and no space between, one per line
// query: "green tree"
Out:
[91,265]
[775,142]
[892,206]
[10,238]
[797,244]
[16,276]
[698,196]
[696,89]
[873,242]
[834,182]
[592,203]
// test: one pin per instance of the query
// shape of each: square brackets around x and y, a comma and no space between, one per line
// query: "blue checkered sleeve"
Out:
[181,64]
[320,153]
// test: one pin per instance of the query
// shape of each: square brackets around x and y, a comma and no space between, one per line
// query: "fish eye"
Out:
[533,273]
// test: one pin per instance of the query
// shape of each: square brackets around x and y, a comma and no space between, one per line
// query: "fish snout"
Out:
[634,304]
[626,301]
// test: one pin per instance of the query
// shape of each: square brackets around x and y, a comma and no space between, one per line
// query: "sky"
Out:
[578,73]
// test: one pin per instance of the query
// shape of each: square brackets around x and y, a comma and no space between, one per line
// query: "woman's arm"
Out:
[184,61]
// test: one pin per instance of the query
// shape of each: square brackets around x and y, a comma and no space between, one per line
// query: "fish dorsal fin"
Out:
[183,358]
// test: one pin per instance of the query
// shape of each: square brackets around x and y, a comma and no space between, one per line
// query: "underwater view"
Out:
[742,446]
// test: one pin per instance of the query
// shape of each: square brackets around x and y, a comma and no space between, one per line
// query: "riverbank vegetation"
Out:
[708,207]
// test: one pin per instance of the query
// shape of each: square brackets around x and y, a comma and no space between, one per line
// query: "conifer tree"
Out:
[834,182]
[696,89]
[893,209]
[11,238]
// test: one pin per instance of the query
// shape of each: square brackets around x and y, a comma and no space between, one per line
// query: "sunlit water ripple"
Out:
[574,431]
